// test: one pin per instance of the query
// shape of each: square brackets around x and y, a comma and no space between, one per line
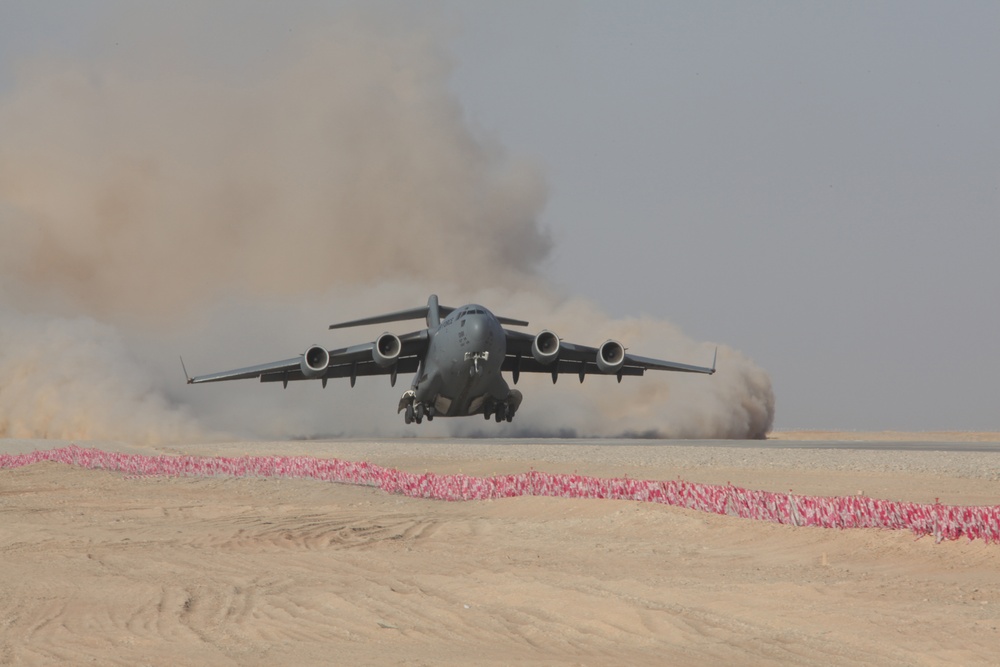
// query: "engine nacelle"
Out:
[386,349]
[315,362]
[545,347]
[610,356]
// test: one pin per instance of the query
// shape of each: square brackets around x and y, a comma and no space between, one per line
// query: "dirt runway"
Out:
[99,567]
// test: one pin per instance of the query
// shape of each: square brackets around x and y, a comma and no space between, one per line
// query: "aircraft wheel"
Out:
[510,416]
[418,412]
[486,414]
[500,413]
[408,415]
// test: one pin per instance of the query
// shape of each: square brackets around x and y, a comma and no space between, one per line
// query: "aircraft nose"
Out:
[475,331]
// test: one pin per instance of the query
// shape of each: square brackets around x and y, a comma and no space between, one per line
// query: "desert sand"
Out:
[100,568]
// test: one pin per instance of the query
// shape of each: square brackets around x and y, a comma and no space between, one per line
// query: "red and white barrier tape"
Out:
[944,522]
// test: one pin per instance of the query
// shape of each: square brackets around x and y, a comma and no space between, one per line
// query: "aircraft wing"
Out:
[353,361]
[582,360]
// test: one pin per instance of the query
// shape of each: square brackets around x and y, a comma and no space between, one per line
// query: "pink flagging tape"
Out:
[944,522]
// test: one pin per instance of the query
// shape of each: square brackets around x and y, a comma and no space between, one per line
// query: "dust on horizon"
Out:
[163,207]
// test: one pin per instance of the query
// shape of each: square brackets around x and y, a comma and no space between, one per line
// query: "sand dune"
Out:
[114,570]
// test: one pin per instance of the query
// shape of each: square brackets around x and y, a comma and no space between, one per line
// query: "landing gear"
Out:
[500,411]
[414,411]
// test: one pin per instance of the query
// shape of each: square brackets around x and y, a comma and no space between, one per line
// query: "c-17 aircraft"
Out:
[457,361]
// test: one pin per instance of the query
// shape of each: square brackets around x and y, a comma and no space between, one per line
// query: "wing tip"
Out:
[190,380]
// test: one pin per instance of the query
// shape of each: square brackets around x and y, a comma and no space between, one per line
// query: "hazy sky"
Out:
[814,184]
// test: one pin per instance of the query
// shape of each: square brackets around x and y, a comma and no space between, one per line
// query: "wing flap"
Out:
[359,369]
[413,346]
[562,366]
[660,365]
[250,371]
[573,356]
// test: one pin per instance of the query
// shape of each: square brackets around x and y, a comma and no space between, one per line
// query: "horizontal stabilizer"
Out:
[399,316]
[512,322]
[415,314]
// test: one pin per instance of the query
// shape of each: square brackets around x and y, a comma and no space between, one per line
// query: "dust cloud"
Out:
[736,402]
[152,205]
[76,379]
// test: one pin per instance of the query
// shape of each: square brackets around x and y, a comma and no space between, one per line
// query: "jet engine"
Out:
[545,347]
[610,356]
[386,349]
[315,361]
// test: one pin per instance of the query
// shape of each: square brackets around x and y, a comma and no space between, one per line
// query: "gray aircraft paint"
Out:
[457,362]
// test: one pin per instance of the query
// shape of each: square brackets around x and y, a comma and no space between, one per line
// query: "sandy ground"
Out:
[888,436]
[103,569]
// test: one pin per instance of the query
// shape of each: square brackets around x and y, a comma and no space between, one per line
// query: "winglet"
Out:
[714,357]
[186,376]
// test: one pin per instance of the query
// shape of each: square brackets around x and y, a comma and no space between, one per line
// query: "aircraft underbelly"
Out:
[463,367]
[467,397]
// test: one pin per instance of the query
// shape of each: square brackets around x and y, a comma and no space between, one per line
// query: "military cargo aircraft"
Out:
[457,362]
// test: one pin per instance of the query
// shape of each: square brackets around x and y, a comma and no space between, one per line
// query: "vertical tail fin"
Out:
[433,312]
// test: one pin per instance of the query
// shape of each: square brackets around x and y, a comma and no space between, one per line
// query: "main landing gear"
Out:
[414,411]
[500,411]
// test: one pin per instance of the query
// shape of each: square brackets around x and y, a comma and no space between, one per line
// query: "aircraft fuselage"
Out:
[461,371]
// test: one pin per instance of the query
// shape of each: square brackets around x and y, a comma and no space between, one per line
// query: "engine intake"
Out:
[610,356]
[545,347]
[386,349]
[315,362]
